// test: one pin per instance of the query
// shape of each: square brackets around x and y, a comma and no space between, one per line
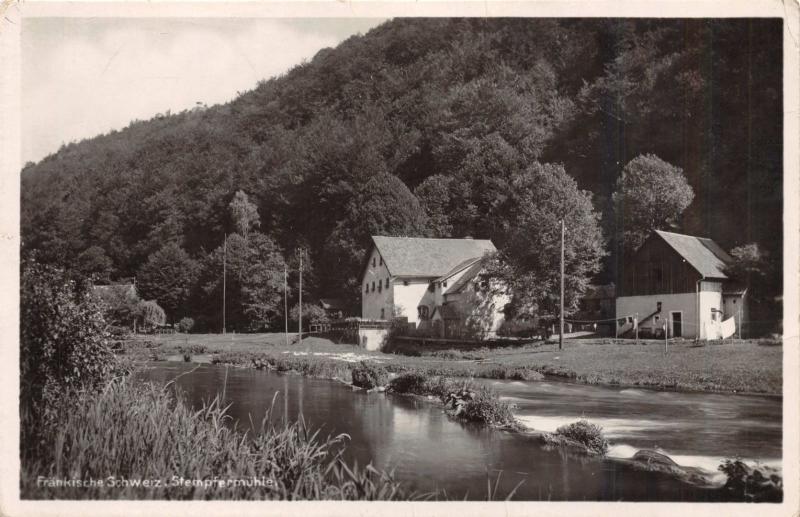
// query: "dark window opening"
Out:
[381,260]
[431,287]
[380,285]
[422,312]
[382,313]
[373,287]
[405,282]
[366,287]
[444,284]
[387,283]
[373,261]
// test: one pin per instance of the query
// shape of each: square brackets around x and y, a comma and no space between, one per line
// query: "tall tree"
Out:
[651,195]
[168,277]
[529,239]
[244,214]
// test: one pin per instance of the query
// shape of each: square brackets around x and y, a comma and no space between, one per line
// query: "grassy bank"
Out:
[140,432]
[753,366]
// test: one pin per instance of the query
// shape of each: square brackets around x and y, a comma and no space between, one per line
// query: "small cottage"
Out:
[434,284]
[677,284]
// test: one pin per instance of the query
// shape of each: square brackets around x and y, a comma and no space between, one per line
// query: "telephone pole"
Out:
[224,275]
[286,304]
[561,312]
[300,304]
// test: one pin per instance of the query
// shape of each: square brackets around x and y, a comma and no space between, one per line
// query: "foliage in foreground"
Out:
[585,433]
[63,344]
[144,432]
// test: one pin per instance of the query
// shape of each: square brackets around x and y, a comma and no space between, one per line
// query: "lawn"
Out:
[747,366]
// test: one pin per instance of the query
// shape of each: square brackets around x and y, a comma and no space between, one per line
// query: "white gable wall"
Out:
[380,298]
[687,303]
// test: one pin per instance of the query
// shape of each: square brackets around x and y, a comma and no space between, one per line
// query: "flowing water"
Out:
[430,451]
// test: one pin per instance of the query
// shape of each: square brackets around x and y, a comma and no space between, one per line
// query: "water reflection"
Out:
[427,450]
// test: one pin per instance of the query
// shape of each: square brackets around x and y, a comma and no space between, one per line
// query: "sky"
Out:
[86,76]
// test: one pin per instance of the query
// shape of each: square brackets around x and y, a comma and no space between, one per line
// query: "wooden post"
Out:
[666,336]
[636,326]
[740,318]
[561,312]
[224,275]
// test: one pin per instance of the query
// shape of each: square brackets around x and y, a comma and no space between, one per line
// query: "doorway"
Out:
[677,323]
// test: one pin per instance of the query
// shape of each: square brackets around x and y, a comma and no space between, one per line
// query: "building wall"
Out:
[481,312]
[381,297]
[657,268]
[687,303]
[408,297]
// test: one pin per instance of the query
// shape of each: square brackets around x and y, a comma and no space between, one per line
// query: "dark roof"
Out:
[420,257]
[701,253]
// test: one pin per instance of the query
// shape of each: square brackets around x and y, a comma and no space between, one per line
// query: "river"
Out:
[430,451]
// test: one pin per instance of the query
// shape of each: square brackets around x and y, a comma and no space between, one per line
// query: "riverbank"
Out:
[738,366]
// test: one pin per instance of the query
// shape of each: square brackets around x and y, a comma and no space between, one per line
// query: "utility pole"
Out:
[224,276]
[300,305]
[561,313]
[286,304]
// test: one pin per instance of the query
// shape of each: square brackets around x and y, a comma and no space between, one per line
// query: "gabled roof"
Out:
[428,258]
[459,267]
[465,279]
[703,254]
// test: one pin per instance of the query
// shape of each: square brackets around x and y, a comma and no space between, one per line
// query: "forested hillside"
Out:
[422,127]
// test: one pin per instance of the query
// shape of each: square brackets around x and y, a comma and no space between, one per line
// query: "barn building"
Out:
[434,283]
[678,282]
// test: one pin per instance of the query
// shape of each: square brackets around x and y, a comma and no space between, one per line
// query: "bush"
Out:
[185,325]
[152,314]
[64,347]
[484,406]
[751,484]
[412,383]
[587,434]
[369,376]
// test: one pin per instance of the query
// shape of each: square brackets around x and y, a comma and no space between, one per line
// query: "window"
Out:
[373,261]
[383,313]
[658,306]
[387,283]
[405,282]
[713,314]
[380,285]
[444,284]
[422,312]
[431,287]
[373,287]
[381,260]
[366,287]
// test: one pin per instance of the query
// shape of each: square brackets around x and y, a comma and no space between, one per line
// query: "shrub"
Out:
[747,483]
[585,433]
[63,344]
[485,406]
[412,382]
[185,325]
[152,314]
[369,376]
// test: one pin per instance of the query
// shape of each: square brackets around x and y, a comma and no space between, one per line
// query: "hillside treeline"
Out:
[422,127]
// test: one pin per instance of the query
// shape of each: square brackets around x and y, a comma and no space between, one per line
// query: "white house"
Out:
[434,283]
[678,282]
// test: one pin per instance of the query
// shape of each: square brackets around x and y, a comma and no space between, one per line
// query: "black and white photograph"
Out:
[429,258]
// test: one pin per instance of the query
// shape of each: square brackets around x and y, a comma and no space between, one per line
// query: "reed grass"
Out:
[140,431]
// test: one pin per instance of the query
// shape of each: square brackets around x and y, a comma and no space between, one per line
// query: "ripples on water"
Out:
[430,451]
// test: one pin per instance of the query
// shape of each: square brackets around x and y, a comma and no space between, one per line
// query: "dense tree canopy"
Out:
[418,128]
[651,195]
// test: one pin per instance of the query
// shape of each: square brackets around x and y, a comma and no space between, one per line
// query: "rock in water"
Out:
[653,457]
